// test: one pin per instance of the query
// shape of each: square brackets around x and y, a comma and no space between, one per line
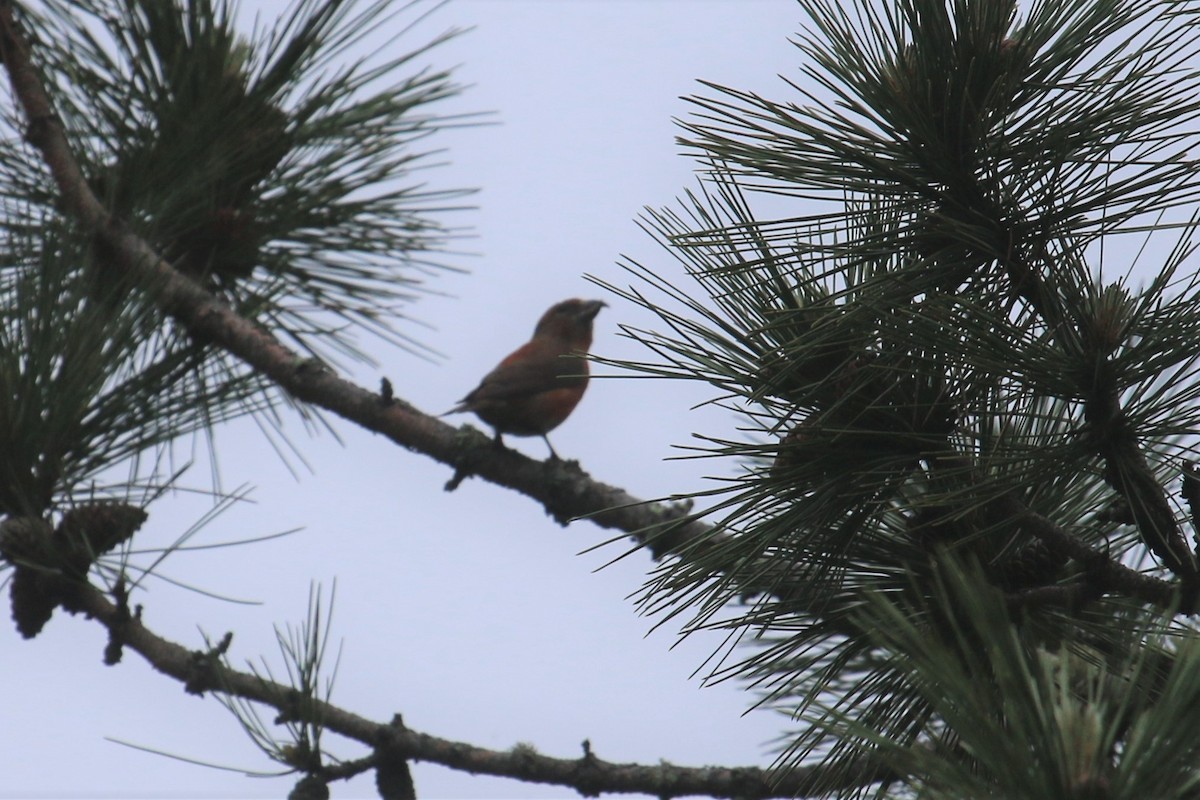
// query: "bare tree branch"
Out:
[201,671]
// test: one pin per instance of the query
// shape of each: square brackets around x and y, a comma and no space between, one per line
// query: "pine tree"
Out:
[947,286]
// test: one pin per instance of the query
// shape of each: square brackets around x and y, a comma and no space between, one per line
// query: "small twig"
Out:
[114,649]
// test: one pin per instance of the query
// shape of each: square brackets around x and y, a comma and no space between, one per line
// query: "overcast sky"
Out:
[471,614]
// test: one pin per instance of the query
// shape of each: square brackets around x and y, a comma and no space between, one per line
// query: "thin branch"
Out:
[201,672]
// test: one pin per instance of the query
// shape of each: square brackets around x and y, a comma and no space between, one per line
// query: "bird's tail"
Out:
[462,406]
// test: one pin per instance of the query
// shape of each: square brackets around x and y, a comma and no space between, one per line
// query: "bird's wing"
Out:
[515,378]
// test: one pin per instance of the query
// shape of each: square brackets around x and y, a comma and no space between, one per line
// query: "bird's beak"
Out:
[590,309]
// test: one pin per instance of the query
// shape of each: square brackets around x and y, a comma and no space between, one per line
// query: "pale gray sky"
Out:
[472,614]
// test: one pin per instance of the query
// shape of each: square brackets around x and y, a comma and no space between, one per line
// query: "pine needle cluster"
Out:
[949,287]
[276,168]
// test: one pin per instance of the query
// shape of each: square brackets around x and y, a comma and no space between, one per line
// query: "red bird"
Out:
[538,385]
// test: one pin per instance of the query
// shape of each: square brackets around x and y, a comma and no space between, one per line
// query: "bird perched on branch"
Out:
[538,385]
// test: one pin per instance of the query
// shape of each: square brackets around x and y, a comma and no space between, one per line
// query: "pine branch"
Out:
[202,672]
[564,490]
[1126,470]
[1103,573]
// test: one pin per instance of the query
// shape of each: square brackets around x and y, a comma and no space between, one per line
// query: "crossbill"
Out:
[538,385]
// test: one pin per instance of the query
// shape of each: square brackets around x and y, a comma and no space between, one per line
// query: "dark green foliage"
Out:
[1021,717]
[256,164]
[916,289]
[81,385]
[273,168]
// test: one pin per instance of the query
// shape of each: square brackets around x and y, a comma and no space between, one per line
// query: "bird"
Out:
[537,386]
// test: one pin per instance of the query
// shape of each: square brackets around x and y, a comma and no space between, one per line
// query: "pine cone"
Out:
[309,787]
[26,540]
[1034,564]
[393,779]
[92,530]
[32,605]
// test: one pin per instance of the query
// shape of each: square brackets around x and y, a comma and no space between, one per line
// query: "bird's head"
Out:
[570,321]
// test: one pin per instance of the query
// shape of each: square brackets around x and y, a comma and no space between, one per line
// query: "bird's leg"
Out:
[499,441]
[553,455]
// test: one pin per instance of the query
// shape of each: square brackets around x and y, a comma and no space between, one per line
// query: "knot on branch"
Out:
[587,772]
[204,667]
[114,650]
[302,757]
[40,129]
[295,706]
[470,447]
